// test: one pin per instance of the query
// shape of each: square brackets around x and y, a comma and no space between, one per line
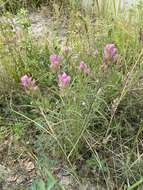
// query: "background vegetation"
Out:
[93,130]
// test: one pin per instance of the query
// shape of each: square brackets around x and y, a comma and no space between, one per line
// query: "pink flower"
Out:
[83,67]
[28,82]
[110,53]
[87,71]
[55,58]
[64,80]
[25,80]
[55,62]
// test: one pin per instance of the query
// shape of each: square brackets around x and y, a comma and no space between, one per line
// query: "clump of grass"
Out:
[15,5]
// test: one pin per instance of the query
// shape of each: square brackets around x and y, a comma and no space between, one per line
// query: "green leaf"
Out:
[50,182]
[41,185]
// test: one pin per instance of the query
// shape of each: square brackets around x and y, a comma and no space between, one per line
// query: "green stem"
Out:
[135,185]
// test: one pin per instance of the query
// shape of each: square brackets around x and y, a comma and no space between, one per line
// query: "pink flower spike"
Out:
[25,81]
[82,65]
[55,62]
[64,80]
[55,59]
[110,53]
[28,83]
[84,68]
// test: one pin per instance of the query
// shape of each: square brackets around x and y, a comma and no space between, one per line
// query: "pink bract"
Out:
[110,53]
[55,62]
[28,82]
[64,80]
[55,59]
[82,65]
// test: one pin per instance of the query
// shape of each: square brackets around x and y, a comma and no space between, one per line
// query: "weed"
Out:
[76,98]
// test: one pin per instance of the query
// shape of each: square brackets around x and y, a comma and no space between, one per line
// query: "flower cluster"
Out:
[64,80]
[110,53]
[28,83]
[83,66]
[55,62]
